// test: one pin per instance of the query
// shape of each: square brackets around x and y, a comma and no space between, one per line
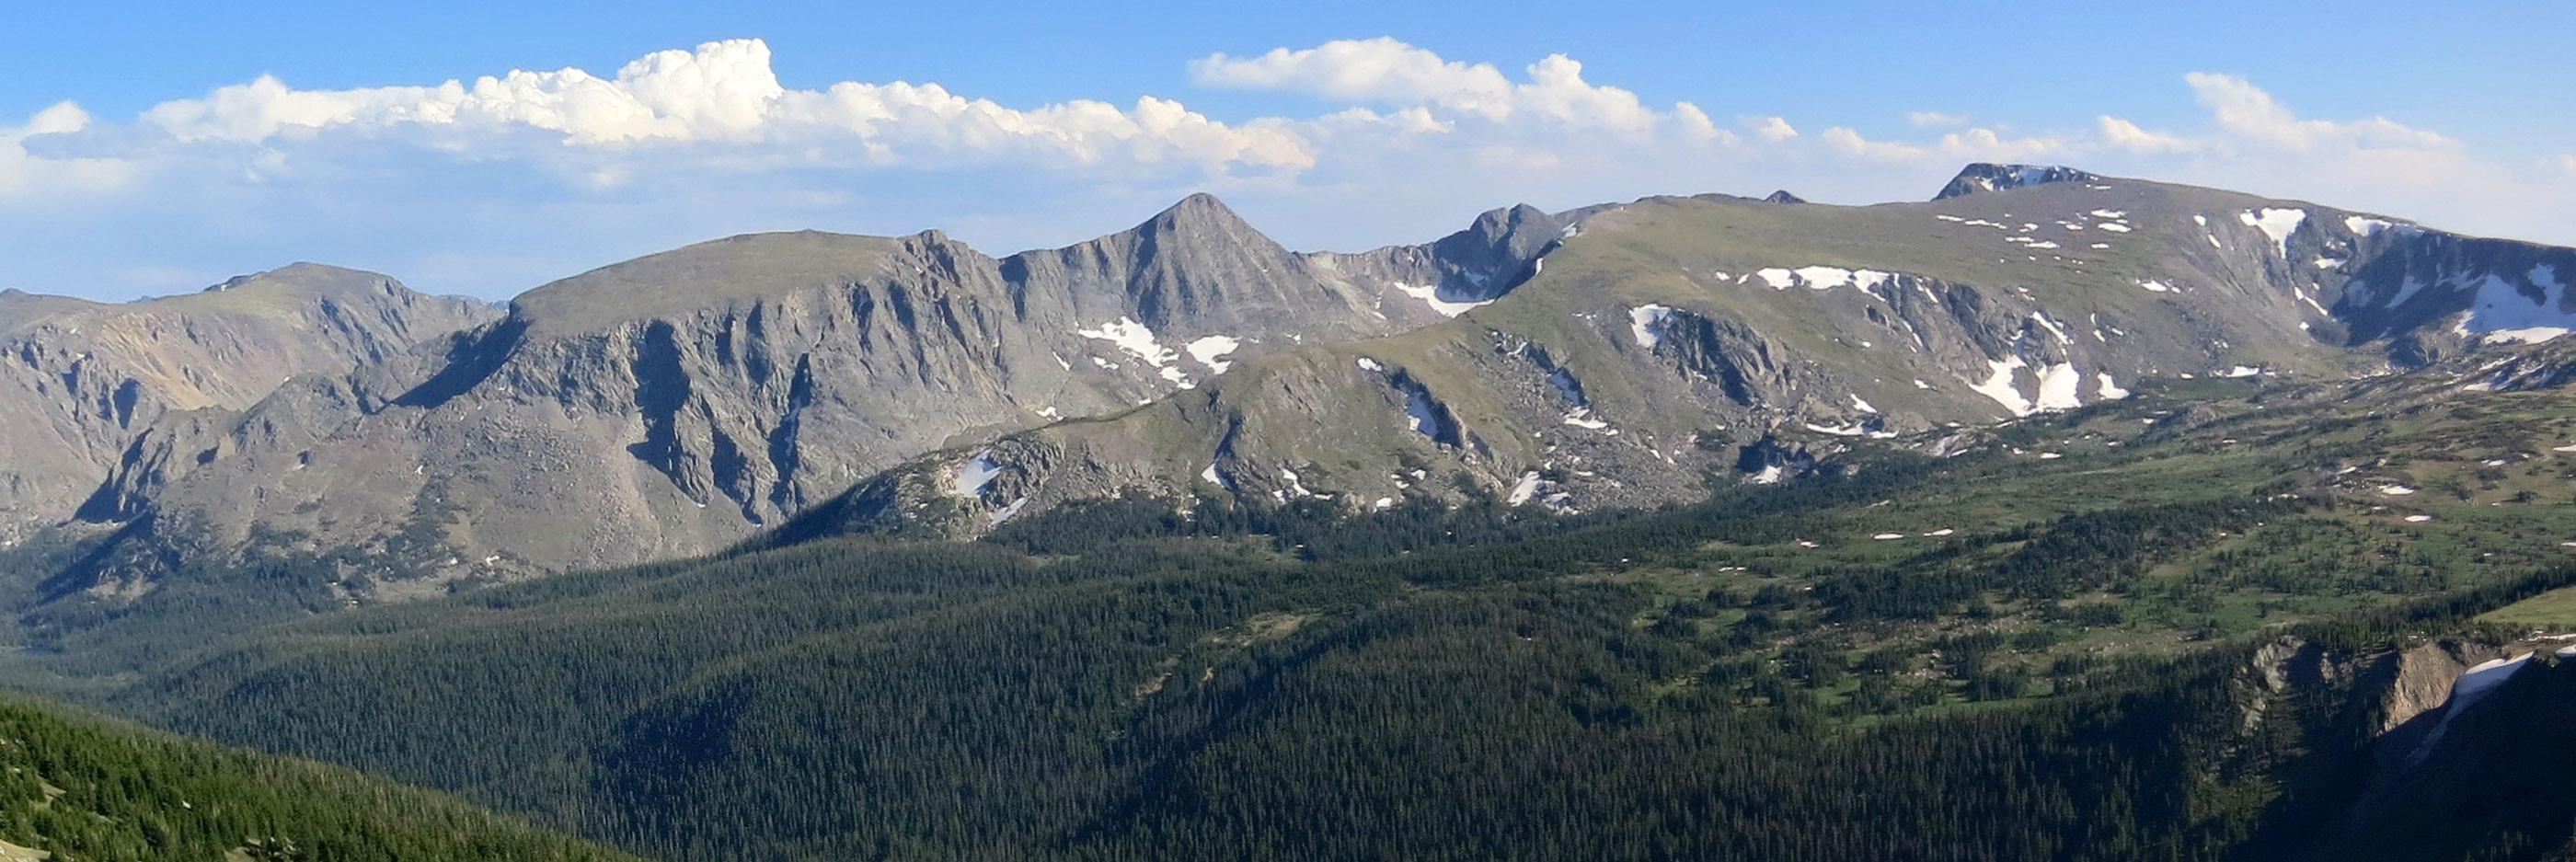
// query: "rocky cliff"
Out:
[1670,342]
[1619,355]
[84,379]
[673,404]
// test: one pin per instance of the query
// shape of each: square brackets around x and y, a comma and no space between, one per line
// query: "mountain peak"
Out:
[1990,176]
[1782,196]
[303,277]
[1199,208]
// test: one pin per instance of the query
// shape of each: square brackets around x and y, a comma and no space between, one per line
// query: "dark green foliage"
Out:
[88,789]
[1119,681]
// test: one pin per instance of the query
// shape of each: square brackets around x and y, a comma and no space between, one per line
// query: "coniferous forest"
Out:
[1117,682]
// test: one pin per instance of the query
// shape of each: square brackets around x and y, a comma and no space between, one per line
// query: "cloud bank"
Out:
[499,183]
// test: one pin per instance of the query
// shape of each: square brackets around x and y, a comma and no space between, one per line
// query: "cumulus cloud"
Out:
[2254,142]
[2124,135]
[726,92]
[1773,129]
[1929,119]
[2248,112]
[1388,72]
[1381,70]
[22,172]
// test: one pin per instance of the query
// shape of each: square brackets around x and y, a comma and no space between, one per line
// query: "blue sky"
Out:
[201,141]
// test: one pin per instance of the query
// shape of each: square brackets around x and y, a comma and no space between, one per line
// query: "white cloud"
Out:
[1384,71]
[2125,135]
[1380,70]
[22,172]
[2255,143]
[2250,113]
[1773,129]
[1930,119]
[726,92]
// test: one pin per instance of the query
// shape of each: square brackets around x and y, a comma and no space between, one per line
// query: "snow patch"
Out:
[1210,351]
[2241,371]
[1430,295]
[2051,326]
[2058,385]
[2114,227]
[1133,338]
[1644,319]
[1999,386]
[2154,286]
[1567,387]
[1420,414]
[1525,489]
[1863,405]
[1777,278]
[2500,313]
[2366,226]
[972,476]
[997,516]
[2418,519]
[1856,429]
[2396,490]
[2466,691]
[2278,224]
[2525,335]
[1371,365]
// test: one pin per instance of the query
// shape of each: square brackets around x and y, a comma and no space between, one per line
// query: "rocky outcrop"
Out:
[1659,342]
[87,382]
[1609,356]
[2423,751]
[1988,177]
[676,403]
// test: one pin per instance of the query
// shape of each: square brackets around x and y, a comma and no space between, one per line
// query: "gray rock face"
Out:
[1987,177]
[1672,339]
[1610,356]
[674,404]
[85,380]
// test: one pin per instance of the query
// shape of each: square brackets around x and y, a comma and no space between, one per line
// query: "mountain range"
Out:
[2057,516]
[1616,355]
